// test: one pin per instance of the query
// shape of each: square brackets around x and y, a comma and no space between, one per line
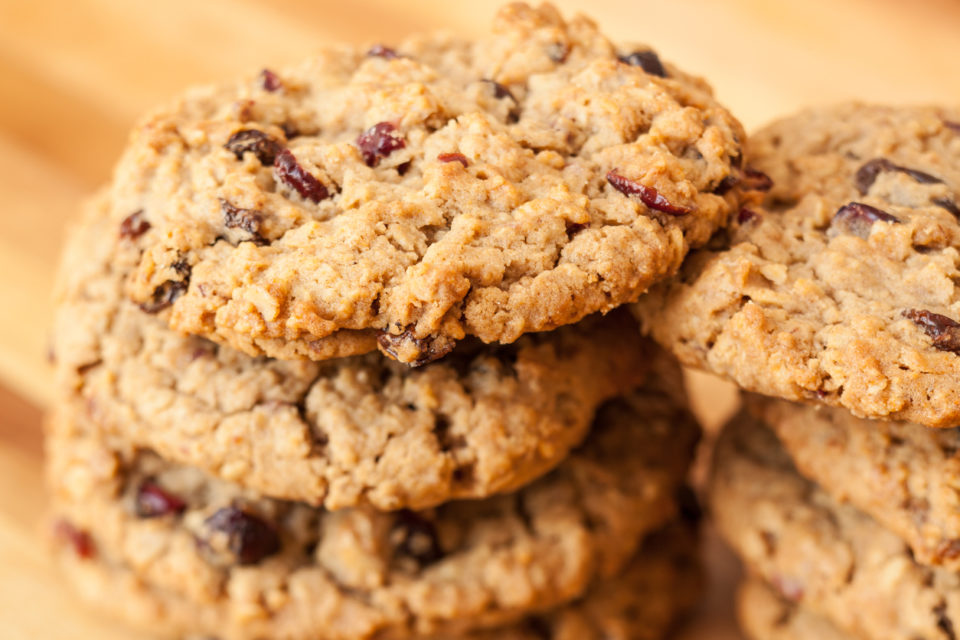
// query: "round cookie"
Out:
[413,196]
[363,430]
[210,557]
[903,475]
[842,288]
[826,556]
[764,615]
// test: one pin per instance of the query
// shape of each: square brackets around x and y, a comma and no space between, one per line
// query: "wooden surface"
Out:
[77,72]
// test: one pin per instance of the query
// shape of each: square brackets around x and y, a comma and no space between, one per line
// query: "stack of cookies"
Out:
[841,293]
[339,353]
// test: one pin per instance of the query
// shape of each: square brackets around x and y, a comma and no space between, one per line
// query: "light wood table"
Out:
[77,72]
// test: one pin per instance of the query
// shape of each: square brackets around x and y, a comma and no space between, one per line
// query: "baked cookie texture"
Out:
[348,432]
[905,476]
[830,557]
[409,197]
[841,289]
[764,615]
[170,547]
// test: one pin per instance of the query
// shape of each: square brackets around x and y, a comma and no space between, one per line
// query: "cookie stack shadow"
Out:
[231,456]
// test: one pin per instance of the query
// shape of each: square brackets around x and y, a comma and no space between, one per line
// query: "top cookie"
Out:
[843,290]
[417,195]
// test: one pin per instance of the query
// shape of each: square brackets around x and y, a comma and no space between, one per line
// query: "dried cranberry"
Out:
[378,142]
[867,174]
[951,124]
[263,146]
[249,537]
[558,52]
[948,204]
[453,157]
[944,331]
[426,349]
[415,537]
[723,187]
[78,539]
[790,588]
[857,218]
[270,81]
[573,228]
[746,215]
[754,180]
[167,293]
[380,51]
[648,195]
[249,220]
[154,501]
[649,61]
[289,171]
[134,226]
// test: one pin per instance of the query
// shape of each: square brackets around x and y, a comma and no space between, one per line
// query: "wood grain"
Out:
[77,73]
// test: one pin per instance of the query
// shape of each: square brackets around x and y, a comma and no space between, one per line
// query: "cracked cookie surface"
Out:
[842,289]
[409,197]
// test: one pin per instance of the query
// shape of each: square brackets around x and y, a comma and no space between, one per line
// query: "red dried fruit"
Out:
[867,174]
[754,180]
[950,124]
[415,537]
[403,344]
[79,540]
[154,501]
[249,220]
[260,144]
[167,293]
[723,187]
[944,331]
[790,588]
[289,171]
[857,218]
[948,204]
[746,215]
[270,81]
[573,228]
[648,195]
[378,142]
[134,226]
[249,537]
[380,51]
[648,60]
[453,157]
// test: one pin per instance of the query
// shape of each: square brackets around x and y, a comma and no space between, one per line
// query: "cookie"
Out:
[408,197]
[347,432]
[903,475]
[829,557]
[841,290]
[764,615]
[207,556]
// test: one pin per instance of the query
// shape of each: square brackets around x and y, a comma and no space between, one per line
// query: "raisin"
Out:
[249,220]
[573,228]
[746,215]
[378,142]
[501,92]
[263,146]
[154,501]
[415,537]
[134,226]
[944,331]
[270,81]
[78,539]
[415,351]
[249,537]
[723,187]
[380,51]
[558,52]
[648,60]
[754,180]
[289,171]
[857,218]
[453,157]
[867,174]
[648,195]
[948,204]
[167,293]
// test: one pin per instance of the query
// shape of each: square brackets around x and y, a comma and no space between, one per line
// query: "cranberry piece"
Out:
[154,501]
[270,81]
[857,218]
[415,537]
[381,51]
[754,180]
[948,204]
[427,349]
[289,171]
[168,292]
[648,195]
[944,331]
[746,215]
[134,225]
[867,174]
[78,539]
[649,61]
[264,147]
[573,228]
[454,157]
[790,588]
[723,187]
[249,537]
[950,124]
[249,220]
[378,142]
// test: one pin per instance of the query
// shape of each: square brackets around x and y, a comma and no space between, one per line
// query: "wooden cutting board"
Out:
[77,72]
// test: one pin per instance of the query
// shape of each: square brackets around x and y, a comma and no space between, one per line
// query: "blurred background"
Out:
[77,73]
